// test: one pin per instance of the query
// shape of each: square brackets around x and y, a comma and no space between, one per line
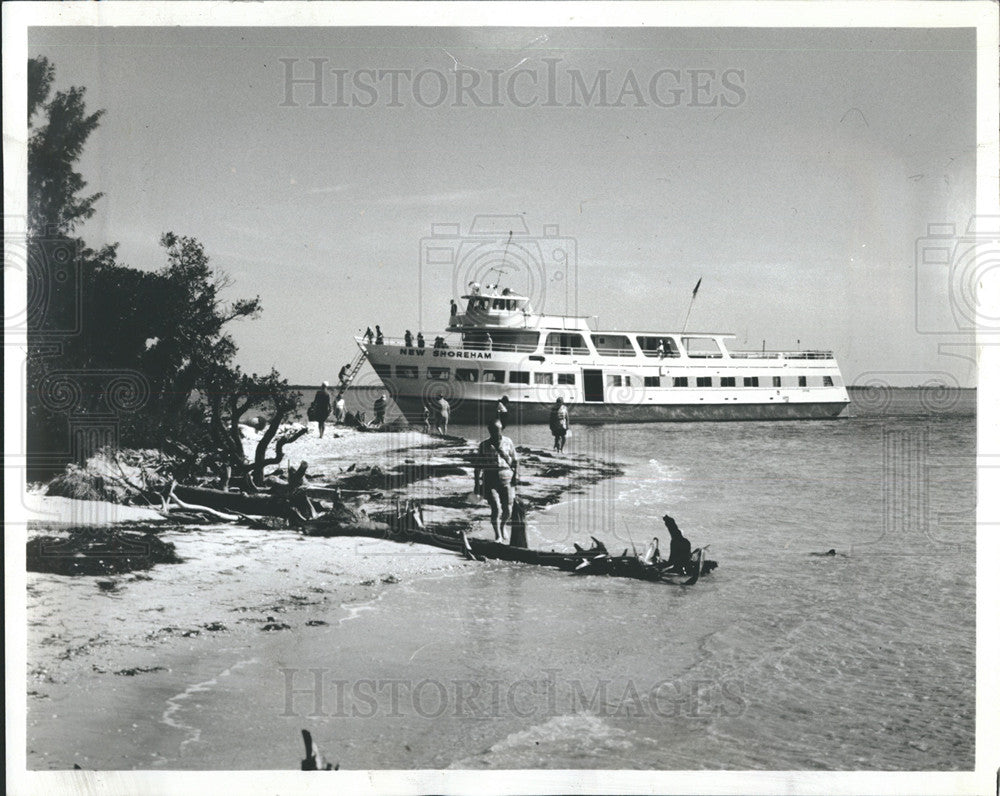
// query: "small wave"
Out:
[578,736]
[176,702]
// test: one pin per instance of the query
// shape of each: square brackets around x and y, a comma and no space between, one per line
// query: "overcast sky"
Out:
[794,170]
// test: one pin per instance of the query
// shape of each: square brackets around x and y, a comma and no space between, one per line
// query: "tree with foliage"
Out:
[230,395]
[55,206]
[169,325]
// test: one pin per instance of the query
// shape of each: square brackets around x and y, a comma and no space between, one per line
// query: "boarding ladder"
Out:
[356,364]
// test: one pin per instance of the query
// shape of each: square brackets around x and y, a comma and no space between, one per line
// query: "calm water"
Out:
[778,660]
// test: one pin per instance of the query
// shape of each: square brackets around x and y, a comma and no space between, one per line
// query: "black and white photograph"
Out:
[501,397]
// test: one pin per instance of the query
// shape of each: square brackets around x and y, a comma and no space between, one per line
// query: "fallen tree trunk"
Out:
[271,505]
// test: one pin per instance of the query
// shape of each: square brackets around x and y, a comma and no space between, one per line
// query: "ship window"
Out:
[727,381]
[680,381]
[406,371]
[543,378]
[751,381]
[466,374]
[704,381]
[802,381]
[383,371]
[702,347]
[613,381]
[438,374]
[651,346]
[495,376]
[827,381]
[565,343]
[519,377]
[613,345]
[776,381]
[651,381]
[508,339]
[566,378]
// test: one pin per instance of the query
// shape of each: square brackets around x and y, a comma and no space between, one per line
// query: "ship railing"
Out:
[567,350]
[518,348]
[781,354]
[616,352]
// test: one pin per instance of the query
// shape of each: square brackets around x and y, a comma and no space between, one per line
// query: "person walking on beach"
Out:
[494,477]
[503,410]
[320,409]
[442,412]
[379,408]
[559,423]
[340,409]
[427,420]
[680,548]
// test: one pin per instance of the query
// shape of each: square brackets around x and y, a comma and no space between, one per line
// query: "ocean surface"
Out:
[780,659]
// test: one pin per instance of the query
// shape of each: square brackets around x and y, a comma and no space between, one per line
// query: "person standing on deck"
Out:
[420,340]
[454,308]
[379,408]
[559,423]
[489,342]
[660,352]
[378,335]
[369,335]
[680,548]
[320,409]
[494,477]
[442,413]
[408,339]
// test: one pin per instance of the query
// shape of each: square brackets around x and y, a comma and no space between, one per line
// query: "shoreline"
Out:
[173,626]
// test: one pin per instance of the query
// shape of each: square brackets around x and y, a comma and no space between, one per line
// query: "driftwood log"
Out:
[287,506]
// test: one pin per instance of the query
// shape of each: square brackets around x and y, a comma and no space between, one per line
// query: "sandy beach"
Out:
[181,624]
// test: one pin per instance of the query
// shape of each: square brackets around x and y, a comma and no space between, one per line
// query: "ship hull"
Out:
[476,412]
[607,389]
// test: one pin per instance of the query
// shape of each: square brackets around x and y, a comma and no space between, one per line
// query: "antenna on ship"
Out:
[503,262]
[693,294]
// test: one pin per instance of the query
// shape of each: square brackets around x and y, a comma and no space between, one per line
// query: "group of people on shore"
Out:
[437,415]
[558,419]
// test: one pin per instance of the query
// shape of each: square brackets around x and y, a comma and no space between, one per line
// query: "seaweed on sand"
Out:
[98,551]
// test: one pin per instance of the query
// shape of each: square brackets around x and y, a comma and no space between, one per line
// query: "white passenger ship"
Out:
[498,346]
